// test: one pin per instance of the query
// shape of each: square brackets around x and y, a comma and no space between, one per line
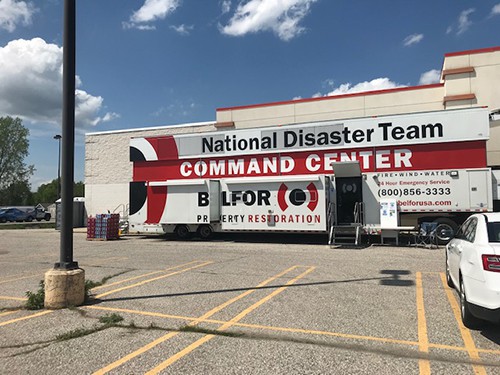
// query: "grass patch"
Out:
[33,225]
[110,319]
[79,332]
[36,300]
[90,284]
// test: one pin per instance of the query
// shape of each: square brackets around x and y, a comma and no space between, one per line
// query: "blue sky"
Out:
[144,63]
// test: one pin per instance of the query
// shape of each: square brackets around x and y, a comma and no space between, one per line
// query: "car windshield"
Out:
[494,231]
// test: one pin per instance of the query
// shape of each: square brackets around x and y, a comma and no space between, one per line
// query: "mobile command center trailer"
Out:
[316,177]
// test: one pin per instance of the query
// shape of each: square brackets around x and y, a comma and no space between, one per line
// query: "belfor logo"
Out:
[298,197]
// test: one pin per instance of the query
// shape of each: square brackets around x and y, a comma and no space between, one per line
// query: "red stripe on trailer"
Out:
[386,159]
[157,199]
[165,147]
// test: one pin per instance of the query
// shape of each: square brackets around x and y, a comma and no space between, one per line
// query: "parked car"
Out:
[15,214]
[473,268]
[41,214]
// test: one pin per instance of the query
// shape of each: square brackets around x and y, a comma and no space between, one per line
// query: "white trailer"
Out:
[316,178]
[296,203]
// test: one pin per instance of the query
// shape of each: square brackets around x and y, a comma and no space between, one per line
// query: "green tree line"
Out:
[15,188]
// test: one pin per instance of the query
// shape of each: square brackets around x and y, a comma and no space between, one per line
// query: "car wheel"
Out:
[204,232]
[47,217]
[469,320]
[37,219]
[181,232]
[29,219]
[445,230]
[449,281]
[3,220]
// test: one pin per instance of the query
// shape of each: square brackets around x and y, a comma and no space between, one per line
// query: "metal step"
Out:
[345,235]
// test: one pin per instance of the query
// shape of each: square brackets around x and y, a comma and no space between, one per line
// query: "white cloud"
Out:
[226,6]
[31,85]
[13,12]
[495,10]
[413,39]
[430,77]
[463,22]
[182,29]
[373,85]
[152,10]
[280,16]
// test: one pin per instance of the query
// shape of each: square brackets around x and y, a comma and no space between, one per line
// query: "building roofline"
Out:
[473,51]
[131,130]
[363,93]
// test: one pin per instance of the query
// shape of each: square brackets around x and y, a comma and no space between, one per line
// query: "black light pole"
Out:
[68,137]
[58,138]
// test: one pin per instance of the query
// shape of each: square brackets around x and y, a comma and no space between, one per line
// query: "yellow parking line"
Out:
[225,326]
[462,349]
[26,317]
[145,275]
[27,257]
[268,328]
[290,330]
[466,336]
[145,313]
[194,322]
[20,278]
[13,298]
[423,339]
[9,312]
[151,280]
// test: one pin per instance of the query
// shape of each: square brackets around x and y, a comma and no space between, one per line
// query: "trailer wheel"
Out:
[204,232]
[181,232]
[445,230]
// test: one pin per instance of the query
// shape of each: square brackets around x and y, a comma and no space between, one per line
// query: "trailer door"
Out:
[479,196]
[348,194]
[348,187]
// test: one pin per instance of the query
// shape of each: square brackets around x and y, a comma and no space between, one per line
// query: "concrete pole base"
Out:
[64,288]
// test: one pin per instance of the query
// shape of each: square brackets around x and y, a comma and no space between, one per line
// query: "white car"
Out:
[473,268]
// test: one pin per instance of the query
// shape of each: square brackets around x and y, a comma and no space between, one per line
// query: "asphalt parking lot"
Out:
[234,307]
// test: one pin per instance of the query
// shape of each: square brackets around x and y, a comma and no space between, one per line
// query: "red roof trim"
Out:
[472,51]
[364,93]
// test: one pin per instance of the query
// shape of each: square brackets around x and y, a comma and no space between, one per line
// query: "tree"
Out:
[14,146]
[79,189]
[47,193]
[17,194]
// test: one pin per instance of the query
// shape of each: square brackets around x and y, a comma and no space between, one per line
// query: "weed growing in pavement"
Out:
[75,333]
[195,329]
[89,284]
[107,320]
[110,319]
[36,300]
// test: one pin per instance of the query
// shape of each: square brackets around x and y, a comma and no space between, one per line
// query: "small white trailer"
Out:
[327,177]
[295,203]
